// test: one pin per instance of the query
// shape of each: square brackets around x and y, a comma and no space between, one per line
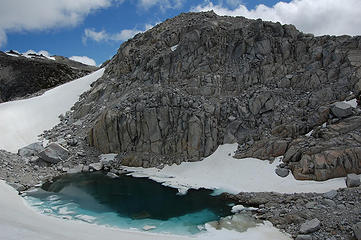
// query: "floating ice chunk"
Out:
[65,211]
[148,227]
[86,218]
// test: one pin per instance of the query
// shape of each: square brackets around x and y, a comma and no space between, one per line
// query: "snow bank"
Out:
[22,121]
[222,172]
[17,221]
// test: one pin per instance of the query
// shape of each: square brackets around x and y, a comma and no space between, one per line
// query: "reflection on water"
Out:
[128,202]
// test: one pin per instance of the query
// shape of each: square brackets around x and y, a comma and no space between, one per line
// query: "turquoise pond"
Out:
[128,203]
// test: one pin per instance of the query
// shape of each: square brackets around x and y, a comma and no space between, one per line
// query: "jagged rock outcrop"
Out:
[177,91]
[21,76]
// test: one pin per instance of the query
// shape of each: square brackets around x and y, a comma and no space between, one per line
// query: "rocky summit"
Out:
[193,82]
[24,75]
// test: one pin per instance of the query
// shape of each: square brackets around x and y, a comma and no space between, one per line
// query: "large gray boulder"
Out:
[31,150]
[341,109]
[352,180]
[357,230]
[303,237]
[54,153]
[310,226]
[282,172]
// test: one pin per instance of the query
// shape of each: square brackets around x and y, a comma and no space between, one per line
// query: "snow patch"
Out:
[352,102]
[173,48]
[224,173]
[84,59]
[23,120]
[240,208]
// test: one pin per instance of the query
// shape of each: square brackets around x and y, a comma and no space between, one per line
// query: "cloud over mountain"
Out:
[321,17]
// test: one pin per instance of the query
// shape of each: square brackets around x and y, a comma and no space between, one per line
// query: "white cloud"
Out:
[162,4]
[84,59]
[320,17]
[25,15]
[103,36]
[3,38]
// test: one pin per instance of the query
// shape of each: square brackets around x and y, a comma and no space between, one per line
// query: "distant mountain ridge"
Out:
[22,75]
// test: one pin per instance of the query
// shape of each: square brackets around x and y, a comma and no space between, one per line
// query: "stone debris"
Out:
[54,153]
[31,150]
[310,226]
[352,180]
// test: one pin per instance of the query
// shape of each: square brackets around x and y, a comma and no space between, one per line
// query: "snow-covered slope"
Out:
[223,172]
[23,120]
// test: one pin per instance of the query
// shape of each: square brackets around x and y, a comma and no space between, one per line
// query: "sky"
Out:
[91,31]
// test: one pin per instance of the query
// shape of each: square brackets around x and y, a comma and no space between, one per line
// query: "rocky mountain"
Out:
[25,75]
[193,82]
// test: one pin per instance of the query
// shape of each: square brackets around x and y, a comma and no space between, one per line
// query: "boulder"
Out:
[352,180]
[77,169]
[357,230]
[112,175]
[341,109]
[310,226]
[282,172]
[303,237]
[96,166]
[331,194]
[54,153]
[31,150]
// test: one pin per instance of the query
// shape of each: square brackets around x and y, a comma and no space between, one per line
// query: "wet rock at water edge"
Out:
[96,166]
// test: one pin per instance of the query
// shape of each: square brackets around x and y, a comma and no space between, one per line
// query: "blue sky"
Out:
[96,28]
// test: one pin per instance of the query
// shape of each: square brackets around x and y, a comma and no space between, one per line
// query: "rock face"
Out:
[21,76]
[191,83]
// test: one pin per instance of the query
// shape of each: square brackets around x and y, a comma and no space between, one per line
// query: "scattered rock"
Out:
[31,150]
[282,172]
[357,230]
[303,237]
[77,169]
[331,194]
[96,166]
[310,226]
[54,153]
[341,109]
[352,180]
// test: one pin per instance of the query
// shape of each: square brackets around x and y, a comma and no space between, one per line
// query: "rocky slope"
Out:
[21,76]
[177,91]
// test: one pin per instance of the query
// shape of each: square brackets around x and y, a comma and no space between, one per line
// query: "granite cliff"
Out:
[193,82]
